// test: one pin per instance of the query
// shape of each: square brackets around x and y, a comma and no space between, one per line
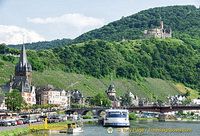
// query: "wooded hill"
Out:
[153,89]
[168,59]
[184,21]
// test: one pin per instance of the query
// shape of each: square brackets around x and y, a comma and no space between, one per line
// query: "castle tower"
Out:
[23,68]
[111,91]
[161,25]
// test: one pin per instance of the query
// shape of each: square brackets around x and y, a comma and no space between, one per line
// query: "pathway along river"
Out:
[144,128]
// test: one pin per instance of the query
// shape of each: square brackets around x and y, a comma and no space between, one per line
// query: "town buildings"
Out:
[176,99]
[21,80]
[111,93]
[77,97]
[50,95]
[195,101]
[134,99]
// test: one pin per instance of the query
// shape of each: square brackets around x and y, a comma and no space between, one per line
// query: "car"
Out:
[19,122]
[25,120]
[1,122]
[32,120]
[6,123]
[95,117]
[13,122]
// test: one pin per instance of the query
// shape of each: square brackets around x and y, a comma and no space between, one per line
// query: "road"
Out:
[2,128]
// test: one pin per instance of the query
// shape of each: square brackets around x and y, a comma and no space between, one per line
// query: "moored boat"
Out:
[116,117]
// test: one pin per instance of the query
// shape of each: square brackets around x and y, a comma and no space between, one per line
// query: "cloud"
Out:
[14,35]
[76,20]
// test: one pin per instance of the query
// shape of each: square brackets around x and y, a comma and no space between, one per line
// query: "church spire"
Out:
[23,58]
[22,66]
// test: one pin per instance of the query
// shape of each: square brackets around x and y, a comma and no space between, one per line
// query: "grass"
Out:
[183,89]
[160,88]
[15,132]
[23,131]
[153,89]
[64,123]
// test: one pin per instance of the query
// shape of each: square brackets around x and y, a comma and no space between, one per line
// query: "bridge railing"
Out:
[51,126]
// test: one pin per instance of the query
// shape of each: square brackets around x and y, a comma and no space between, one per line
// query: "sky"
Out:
[45,20]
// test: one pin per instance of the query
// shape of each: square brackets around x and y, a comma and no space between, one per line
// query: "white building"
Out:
[195,101]
[51,95]
[176,99]
[134,99]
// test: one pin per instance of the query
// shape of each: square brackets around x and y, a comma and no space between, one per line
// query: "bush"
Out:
[78,105]
[132,116]
[87,117]
[1,64]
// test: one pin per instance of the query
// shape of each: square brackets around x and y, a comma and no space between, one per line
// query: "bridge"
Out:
[84,110]
[160,109]
[164,109]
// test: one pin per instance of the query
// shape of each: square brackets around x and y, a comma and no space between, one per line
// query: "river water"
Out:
[137,128]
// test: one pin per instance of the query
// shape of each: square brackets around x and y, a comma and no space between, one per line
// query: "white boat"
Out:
[76,129]
[116,117]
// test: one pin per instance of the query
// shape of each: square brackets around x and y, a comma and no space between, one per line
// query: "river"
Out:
[138,128]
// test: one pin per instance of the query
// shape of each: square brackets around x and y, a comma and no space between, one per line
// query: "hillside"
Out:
[130,60]
[90,86]
[183,20]
[168,59]
[43,45]
[150,88]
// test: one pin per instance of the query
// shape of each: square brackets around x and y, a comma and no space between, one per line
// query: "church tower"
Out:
[23,68]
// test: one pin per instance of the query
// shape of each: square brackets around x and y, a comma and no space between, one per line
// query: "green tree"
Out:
[100,100]
[180,112]
[126,99]
[132,116]
[14,100]
[187,93]
[3,48]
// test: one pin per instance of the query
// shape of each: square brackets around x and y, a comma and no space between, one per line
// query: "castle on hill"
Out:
[159,32]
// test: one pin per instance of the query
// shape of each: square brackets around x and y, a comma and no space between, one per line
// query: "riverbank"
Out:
[168,119]
[24,131]
[16,132]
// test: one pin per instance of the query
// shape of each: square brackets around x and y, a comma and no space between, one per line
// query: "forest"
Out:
[169,59]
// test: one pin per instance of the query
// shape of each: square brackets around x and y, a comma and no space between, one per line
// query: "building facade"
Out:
[134,99]
[51,95]
[77,97]
[111,93]
[22,80]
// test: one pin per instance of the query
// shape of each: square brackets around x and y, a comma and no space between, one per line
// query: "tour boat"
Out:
[116,117]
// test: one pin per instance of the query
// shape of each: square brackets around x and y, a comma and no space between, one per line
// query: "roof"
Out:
[22,84]
[23,64]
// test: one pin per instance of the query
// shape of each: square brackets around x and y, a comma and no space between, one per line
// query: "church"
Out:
[22,80]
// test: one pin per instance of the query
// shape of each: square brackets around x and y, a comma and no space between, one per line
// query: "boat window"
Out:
[116,114]
[124,113]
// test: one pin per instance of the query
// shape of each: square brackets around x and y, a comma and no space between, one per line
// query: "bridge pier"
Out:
[161,117]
